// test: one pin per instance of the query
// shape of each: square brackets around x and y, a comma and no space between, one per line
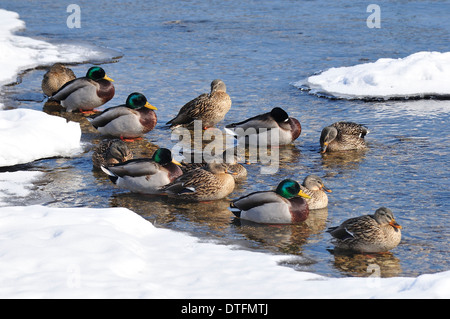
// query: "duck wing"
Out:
[190,111]
[70,87]
[350,128]
[256,199]
[357,227]
[192,182]
[135,168]
[259,121]
[109,115]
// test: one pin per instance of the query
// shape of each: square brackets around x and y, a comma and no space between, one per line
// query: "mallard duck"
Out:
[343,136]
[313,186]
[145,175]
[55,78]
[212,182]
[110,152]
[239,171]
[285,205]
[86,93]
[259,129]
[131,120]
[209,108]
[369,233]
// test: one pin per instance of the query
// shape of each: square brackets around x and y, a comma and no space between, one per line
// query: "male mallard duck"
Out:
[313,186]
[145,175]
[209,108]
[369,233]
[86,93]
[258,129]
[55,78]
[131,120]
[285,205]
[343,136]
[212,182]
[110,152]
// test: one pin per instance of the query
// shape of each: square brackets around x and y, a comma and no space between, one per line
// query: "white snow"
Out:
[27,135]
[113,252]
[418,75]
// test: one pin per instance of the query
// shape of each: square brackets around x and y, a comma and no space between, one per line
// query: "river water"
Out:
[172,50]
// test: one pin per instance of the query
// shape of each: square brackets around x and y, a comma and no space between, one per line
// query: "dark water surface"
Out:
[172,50]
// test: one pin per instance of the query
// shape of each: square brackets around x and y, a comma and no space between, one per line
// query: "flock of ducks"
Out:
[288,203]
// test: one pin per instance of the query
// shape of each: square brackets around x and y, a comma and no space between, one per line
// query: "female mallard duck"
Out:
[145,175]
[285,205]
[212,182]
[209,108]
[239,171]
[131,120]
[343,136]
[313,187]
[110,152]
[86,93]
[55,78]
[259,129]
[369,233]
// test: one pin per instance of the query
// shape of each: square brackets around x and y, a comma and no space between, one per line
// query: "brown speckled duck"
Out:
[129,121]
[110,152]
[212,182]
[55,78]
[239,171]
[313,186]
[343,136]
[285,205]
[86,93]
[369,233]
[210,108]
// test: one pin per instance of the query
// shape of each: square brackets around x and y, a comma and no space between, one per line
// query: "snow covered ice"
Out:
[28,135]
[418,75]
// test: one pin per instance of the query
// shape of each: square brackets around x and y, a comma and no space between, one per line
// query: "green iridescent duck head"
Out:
[97,73]
[137,100]
[289,188]
[163,156]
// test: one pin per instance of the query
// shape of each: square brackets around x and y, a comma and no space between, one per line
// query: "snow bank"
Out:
[27,135]
[114,253]
[419,75]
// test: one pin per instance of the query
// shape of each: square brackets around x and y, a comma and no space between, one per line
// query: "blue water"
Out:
[172,50]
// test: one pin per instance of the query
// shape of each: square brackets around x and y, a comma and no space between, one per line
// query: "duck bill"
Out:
[176,162]
[325,189]
[149,106]
[303,194]
[108,78]
[324,148]
[228,171]
[394,224]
